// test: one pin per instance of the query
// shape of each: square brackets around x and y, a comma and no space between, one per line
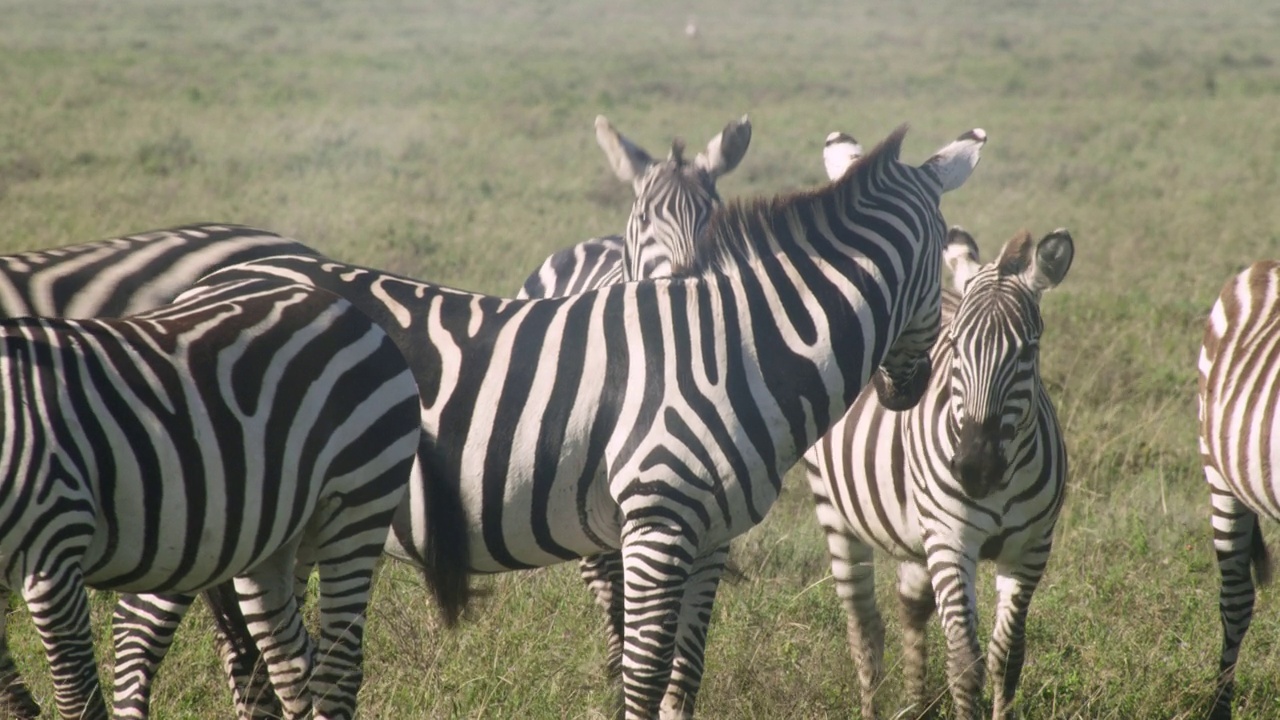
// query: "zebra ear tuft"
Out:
[725,150]
[960,253]
[627,160]
[1016,256]
[1054,254]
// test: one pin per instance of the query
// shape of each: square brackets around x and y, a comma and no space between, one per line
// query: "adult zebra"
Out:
[243,427]
[1238,399]
[126,275]
[659,417]
[976,471]
[674,201]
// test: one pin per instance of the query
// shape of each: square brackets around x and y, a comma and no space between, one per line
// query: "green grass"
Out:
[455,143]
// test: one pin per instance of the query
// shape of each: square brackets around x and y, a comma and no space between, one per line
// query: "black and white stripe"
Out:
[659,417]
[975,471]
[246,426]
[674,201]
[1239,364]
[128,275]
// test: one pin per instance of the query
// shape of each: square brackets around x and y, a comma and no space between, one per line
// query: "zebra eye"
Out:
[1028,352]
[643,217]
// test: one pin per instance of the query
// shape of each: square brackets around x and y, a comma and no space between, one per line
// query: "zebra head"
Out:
[902,378]
[995,342]
[674,198]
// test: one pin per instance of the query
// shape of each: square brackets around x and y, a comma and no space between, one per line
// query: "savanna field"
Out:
[454,142]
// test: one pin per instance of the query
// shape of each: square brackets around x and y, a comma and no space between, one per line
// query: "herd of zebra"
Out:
[219,411]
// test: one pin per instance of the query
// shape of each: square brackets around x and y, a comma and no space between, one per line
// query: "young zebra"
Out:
[660,417]
[1238,399]
[674,200]
[245,425]
[975,471]
[127,275]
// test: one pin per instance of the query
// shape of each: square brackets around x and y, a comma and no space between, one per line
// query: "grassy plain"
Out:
[453,141]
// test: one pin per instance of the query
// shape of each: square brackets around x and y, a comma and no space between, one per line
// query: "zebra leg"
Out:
[346,582]
[271,615]
[952,573]
[1237,539]
[603,575]
[59,606]
[1005,655]
[246,674]
[687,662]
[142,629]
[656,563]
[15,699]
[916,604]
[853,567]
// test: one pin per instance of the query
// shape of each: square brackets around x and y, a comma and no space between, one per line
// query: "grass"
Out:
[454,143]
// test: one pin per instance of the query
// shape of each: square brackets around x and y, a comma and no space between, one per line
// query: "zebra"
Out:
[126,275]
[246,424]
[1237,401]
[706,389]
[593,264]
[674,200]
[976,470]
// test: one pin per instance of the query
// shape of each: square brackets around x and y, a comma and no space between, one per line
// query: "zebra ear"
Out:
[955,162]
[725,150]
[839,153]
[628,160]
[960,253]
[1053,258]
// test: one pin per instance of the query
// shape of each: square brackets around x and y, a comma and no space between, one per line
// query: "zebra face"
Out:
[674,198]
[994,344]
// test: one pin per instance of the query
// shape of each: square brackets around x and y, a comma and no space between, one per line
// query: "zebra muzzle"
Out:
[979,463]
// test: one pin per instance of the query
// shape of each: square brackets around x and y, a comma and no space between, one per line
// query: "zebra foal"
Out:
[1238,393]
[977,470]
[245,426]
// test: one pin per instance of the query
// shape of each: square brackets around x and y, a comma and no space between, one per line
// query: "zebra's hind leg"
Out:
[59,608]
[1015,584]
[346,581]
[1237,541]
[853,567]
[271,614]
[142,629]
[916,605]
[603,575]
[15,699]
[687,663]
[953,573]
[246,672]
[656,559]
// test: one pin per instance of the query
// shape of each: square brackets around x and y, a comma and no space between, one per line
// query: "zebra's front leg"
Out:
[688,660]
[952,573]
[1015,584]
[1236,540]
[853,567]
[142,629]
[916,604]
[656,560]
[15,699]
[59,606]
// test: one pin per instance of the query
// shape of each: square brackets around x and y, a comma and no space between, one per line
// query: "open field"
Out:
[453,142]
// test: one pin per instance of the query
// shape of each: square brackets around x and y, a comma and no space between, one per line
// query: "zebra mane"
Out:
[737,227]
[677,152]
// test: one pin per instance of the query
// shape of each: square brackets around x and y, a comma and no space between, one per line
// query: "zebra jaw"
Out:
[902,395]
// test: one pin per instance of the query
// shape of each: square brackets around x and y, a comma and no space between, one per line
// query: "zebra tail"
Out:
[446,556]
[1259,555]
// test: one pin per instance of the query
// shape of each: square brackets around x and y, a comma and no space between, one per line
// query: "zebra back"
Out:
[674,200]
[127,275]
